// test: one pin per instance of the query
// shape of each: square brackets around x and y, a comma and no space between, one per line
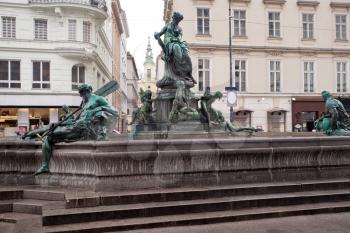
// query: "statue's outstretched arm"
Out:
[157,35]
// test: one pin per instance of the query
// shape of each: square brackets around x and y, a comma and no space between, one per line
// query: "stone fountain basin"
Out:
[116,165]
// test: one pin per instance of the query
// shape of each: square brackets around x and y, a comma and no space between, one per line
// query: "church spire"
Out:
[149,54]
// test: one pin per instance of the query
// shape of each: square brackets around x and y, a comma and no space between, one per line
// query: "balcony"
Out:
[98,7]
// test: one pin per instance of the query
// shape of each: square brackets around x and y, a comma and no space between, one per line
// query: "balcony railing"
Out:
[100,4]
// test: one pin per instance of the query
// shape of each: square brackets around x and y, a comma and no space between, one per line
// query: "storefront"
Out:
[276,120]
[243,118]
[305,110]
[13,120]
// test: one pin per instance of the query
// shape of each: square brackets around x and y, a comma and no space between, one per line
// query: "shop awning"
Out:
[243,110]
[277,110]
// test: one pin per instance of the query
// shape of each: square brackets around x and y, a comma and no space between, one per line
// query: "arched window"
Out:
[78,76]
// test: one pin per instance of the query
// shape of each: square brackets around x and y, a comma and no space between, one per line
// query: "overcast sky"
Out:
[144,18]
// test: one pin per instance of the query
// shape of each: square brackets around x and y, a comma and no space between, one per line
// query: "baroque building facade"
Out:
[133,87]
[48,48]
[120,33]
[285,53]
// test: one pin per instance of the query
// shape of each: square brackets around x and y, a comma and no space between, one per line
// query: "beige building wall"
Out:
[258,49]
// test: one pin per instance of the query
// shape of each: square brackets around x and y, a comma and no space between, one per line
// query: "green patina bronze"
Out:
[215,117]
[178,65]
[143,114]
[336,121]
[95,118]
[181,110]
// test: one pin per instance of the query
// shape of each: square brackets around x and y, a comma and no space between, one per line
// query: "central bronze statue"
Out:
[178,65]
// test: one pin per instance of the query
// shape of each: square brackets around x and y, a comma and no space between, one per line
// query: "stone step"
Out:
[11,193]
[80,215]
[5,206]
[32,206]
[199,218]
[42,194]
[21,222]
[178,194]
[12,217]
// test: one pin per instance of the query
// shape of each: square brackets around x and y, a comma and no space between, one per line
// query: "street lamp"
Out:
[231,90]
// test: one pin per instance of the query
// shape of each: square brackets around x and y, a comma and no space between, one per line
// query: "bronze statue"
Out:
[336,121]
[95,119]
[143,114]
[181,111]
[215,117]
[178,65]
[37,133]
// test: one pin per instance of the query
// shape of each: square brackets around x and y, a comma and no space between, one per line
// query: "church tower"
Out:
[148,81]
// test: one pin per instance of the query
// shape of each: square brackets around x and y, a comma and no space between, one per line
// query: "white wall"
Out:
[61,53]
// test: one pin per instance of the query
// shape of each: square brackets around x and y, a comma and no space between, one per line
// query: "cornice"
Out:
[204,1]
[275,2]
[340,5]
[272,49]
[308,3]
[67,52]
[240,1]
[117,18]
[38,92]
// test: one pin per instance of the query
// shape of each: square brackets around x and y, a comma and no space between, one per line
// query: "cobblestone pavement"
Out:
[325,223]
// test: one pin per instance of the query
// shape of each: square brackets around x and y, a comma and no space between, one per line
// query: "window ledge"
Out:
[308,39]
[274,38]
[203,35]
[240,37]
[341,40]
[8,38]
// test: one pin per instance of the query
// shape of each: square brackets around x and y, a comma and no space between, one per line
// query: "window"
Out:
[308,26]
[239,23]
[10,74]
[8,27]
[149,74]
[275,76]
[78,76]
[86,31]
[240,75]
[40,29]
[309,75]
[341,76]
[340,27]
[41,74]
[274,24]
[203,74]
[72,29]
[203,21]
